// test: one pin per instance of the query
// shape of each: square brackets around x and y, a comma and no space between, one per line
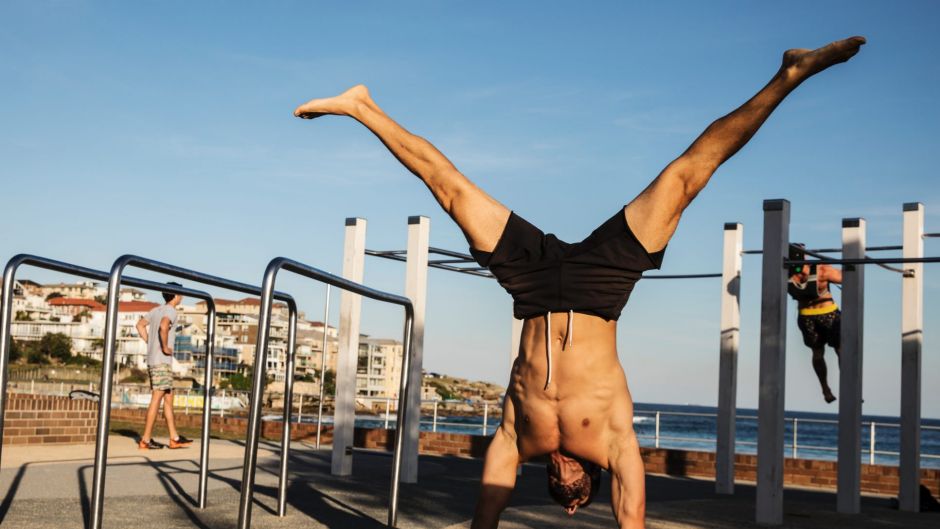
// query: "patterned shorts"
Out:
[821,330]
[161,377]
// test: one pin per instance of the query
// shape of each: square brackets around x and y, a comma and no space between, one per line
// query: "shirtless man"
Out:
[568,395]
[819,319]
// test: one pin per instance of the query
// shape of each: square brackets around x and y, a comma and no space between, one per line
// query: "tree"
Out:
[102,299]
[329,382]
[17,350]
[53,295]
[22,315]
[55,345]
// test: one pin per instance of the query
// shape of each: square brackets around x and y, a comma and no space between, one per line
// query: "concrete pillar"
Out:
[416,289]
[912,337]
[350,308]
[728,357]
[848,495]
[773,347]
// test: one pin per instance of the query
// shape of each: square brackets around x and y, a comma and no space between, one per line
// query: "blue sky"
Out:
[166,130]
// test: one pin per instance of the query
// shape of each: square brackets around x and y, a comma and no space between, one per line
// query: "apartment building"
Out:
[378,370]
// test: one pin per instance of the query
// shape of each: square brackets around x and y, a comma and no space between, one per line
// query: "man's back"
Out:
[155,354]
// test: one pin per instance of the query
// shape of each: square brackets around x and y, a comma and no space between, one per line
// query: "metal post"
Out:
[222,405]
[416,289]
[388,405]
[257,394]
[350,305]
[288,406]
[206,404]
[434,423]
[848,494]
[871,444]
[796,423]
[772,376]
[300,409]
[326,326]
[728,357]
[486,414]
[657,430]
[912,328]
[104,400]
[186,411]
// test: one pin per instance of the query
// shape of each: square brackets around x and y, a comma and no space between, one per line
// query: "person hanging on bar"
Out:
[158,330]
[568,397]
[819,319]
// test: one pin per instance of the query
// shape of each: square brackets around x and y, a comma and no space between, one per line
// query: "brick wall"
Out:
[34,419]
[41,419]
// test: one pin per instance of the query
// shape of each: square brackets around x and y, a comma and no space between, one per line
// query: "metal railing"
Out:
[793,445]
[115,278]
[254,418]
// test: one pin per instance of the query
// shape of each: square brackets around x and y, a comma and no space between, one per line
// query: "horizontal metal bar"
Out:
[865,261]
[930,235]
[451,261]
[680,276]
[385,253]
[450,253]
[475,271]
[199,277]
[867,249]
[90,273]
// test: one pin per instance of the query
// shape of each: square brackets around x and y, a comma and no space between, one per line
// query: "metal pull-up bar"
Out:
[115,279]
[254,419]
[9,278]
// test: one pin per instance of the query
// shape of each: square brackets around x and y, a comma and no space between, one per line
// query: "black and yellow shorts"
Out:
[820,330]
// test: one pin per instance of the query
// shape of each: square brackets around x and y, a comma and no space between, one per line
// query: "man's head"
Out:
[170,298]
[572,482]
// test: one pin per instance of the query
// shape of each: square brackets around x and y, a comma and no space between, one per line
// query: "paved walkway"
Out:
[48,487]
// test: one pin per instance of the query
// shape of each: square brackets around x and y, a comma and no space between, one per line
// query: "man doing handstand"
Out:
[568,396]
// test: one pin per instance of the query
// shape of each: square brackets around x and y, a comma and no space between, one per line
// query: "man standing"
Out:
[158,330]
[820,319]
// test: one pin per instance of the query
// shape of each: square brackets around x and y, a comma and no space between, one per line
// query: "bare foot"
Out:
[340,105]
[799,64]
[829,396]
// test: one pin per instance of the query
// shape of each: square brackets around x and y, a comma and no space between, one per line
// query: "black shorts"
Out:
[822,329]
[594,276]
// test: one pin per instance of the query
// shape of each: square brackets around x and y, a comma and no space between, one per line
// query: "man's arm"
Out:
[628,481]
[830,274]
[165,336]
[499,478]
[142,329]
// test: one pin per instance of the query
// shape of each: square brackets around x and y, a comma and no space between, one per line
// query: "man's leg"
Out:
[481,217]
[152,410]
[654,214]
[168,414]
[819,365]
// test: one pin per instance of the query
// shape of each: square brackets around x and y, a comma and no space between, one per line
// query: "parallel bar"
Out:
[912,336]
[848,494]
[285,426]
[107,367]
[863,261]
[326,326]
[6,316]
[264,323]
[350,309]
[773,346]
[728,357]
[416,289]
[206,405]
[681,276]
[930,235]
[398,256]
